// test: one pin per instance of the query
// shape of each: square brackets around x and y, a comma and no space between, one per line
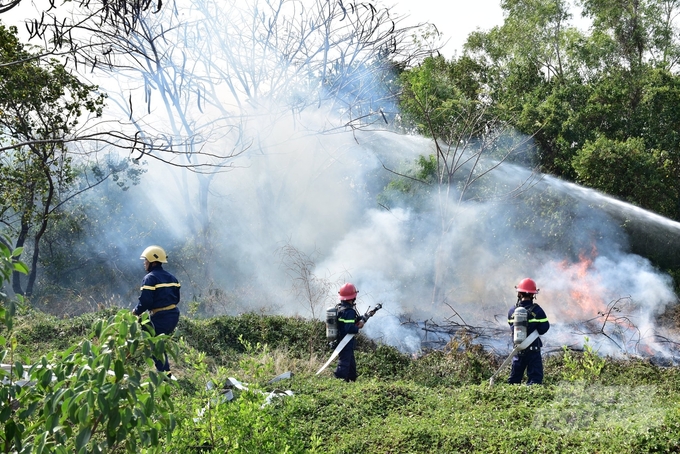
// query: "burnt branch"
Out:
[620,330]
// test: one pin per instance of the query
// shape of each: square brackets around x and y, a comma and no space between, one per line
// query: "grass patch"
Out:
[439,402]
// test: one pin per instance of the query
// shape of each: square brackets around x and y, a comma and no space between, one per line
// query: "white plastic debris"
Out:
[283,376]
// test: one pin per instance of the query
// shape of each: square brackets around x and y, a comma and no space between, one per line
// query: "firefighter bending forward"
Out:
[349,322]
[160,296]
[529,359]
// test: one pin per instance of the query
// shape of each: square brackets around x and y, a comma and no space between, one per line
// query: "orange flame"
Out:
[583,287]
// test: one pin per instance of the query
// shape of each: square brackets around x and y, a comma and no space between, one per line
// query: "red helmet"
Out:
[526,286]
[348,292]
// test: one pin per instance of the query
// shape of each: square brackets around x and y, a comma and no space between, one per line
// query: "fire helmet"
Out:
[527,286]
[348,292]
[154,254]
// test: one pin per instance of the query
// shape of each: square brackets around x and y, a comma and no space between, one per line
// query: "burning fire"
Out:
[583,296]
[597,298]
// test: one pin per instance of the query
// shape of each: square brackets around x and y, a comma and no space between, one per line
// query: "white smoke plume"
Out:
[318,192]
[306,181]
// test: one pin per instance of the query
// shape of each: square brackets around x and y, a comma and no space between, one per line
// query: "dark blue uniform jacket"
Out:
[537,320]
[159,289]
[347,319]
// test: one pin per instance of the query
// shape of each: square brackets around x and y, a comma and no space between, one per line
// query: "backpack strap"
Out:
[530,310]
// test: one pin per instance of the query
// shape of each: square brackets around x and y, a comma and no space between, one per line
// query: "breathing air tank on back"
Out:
[332,323]
[520,317]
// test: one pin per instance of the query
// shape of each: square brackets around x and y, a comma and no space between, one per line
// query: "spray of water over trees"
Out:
[278,149]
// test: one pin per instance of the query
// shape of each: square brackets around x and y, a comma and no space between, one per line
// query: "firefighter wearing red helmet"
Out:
[529,359]
[349,322]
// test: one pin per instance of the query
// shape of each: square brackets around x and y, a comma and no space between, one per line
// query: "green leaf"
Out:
[83,413]
[114,421]
[90,398]
[51,421]
[134,345]
[149,406]
[154,436]
[73,409]
[98,327]
[69,350]
[101,377]
[46,378]
[122,330]
[57,398]
[103,403]
[20,267]
[83,437]
[5,413]
[119,369]
[11,430]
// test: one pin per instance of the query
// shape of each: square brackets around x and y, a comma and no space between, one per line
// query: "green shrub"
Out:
[39,333]
[219,336]
[383,362]
[584,367]
[460,364]
[89,398]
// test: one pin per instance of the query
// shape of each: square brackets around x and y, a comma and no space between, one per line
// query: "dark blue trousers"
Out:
[347,366]
[164,322]
[529,361]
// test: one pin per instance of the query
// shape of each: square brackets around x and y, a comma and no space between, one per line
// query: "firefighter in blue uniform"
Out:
[160,296]
[529,359]
[349,322]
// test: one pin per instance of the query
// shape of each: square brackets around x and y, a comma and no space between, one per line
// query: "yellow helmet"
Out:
[154,254]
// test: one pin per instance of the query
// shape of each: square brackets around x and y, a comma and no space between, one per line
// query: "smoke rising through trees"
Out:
[307,149]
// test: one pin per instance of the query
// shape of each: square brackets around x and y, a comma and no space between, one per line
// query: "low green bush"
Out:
[90,398]
[218,337]
[437,402]
[460,363]
[382,362]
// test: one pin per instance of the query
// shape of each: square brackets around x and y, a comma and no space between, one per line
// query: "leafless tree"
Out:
[314,291]
[283,54]
[70,33]
[450,102]
[208,69]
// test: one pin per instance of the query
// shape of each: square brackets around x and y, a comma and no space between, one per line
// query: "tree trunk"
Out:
[21,240]
[36,255]
[47,205]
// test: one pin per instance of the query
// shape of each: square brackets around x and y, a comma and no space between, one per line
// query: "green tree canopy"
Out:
[573,90]
[627,170]
[41,107]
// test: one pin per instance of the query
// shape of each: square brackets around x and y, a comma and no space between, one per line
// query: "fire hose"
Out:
[348,337]
[530,338]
